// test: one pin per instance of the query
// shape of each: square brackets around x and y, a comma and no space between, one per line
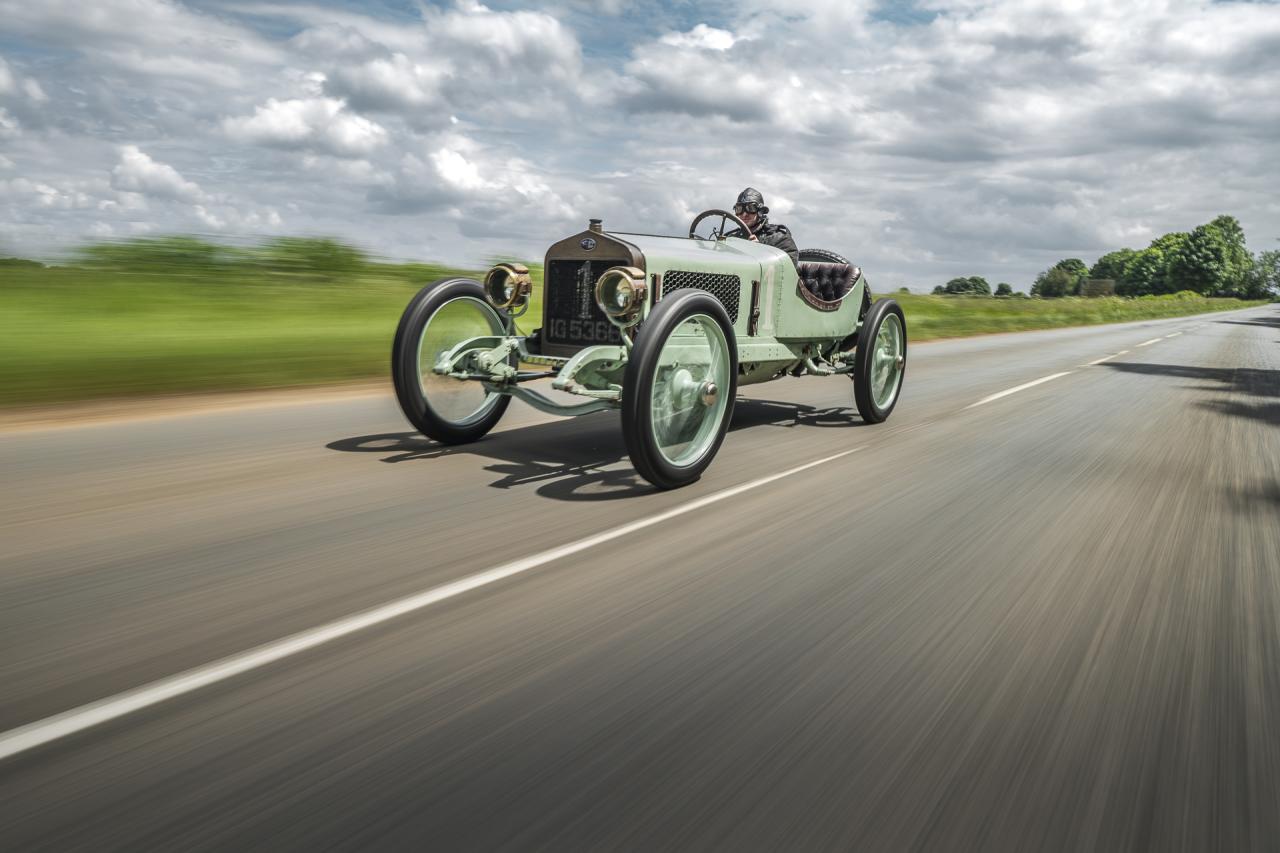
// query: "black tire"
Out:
[822,256]
[875,411]
[442,422]
[638,429]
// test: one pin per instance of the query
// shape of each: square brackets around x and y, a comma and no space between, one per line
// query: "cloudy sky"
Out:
[924,140]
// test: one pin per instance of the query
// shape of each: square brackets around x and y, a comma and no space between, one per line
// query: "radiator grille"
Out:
[726,288]
[570,314]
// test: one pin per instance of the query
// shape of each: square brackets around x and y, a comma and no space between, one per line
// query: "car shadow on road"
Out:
[1241,382]
[576,459]
[1262,498]
[1267,321]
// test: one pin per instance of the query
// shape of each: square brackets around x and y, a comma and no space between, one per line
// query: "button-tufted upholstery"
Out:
[828,282]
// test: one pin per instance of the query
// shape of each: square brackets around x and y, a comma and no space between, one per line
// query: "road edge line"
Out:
[70,722]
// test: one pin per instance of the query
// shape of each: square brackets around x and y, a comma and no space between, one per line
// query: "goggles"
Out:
[751,207]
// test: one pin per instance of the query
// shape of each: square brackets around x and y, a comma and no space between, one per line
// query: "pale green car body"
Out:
[663,328]
[776,330]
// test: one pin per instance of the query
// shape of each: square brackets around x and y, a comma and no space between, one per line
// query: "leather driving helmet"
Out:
[750,200]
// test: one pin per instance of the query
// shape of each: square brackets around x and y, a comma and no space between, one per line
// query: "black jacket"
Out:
[770,234]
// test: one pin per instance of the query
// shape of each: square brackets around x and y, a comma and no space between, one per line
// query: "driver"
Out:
[750,208]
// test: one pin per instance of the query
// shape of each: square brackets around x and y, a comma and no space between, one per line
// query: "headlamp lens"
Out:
[507,286]
[620,293]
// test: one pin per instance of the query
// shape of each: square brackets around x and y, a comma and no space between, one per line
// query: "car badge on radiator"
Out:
[588,243]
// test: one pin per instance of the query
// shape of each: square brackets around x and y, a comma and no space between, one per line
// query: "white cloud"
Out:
[394,82]
[357,172]
[335,40]
[63,196]
[13,85]
[476,184]
[466,58]
[33,90]
[138,173]
[662,78]
[458,172]
[950,137]
[701,36]
[146,36]
[532,42]
[208,218]
[317,123]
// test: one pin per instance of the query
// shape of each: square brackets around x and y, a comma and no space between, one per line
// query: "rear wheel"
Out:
[822,256]
[441,316]
[679,389]
[880,361]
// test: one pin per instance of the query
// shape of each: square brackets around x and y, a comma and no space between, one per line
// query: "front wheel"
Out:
[441,316]
[679,388]
[880,361]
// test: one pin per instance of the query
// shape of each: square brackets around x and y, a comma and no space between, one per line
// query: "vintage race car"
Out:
[663,328]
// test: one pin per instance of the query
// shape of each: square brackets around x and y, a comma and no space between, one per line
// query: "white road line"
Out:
[1122,352]
[1018,388]
[1149,343]
[78,719]
[1174,335]
[1100,360]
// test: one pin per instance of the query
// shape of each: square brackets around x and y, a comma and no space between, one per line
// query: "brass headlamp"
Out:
[507,286]
[620,293]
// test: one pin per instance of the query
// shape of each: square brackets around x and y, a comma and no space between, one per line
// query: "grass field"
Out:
[100,331]
[931,317]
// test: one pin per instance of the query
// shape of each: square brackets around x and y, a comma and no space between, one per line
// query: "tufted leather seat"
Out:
[827,282]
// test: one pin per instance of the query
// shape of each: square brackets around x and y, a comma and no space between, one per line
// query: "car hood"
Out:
[709,255]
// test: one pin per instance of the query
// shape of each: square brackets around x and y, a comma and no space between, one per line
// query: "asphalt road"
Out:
[1050,621]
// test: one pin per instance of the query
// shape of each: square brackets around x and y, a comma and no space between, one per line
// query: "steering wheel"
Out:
[725,216]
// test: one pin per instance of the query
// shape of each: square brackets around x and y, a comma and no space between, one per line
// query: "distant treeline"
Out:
[278,260]
[1210,260]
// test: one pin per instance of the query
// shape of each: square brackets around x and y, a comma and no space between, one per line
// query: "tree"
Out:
[1239,263]
[1068,273]
[1147,271]
[317,256]
[1077,270]
[1202,263]
[1263,281]
[1112,264]
[185,254]
[1053,282]
[938,291]
[1003,289]
[1143,273]
[972,284]
[1168,245]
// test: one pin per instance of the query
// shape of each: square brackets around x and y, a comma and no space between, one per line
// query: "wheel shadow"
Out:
[576,459]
